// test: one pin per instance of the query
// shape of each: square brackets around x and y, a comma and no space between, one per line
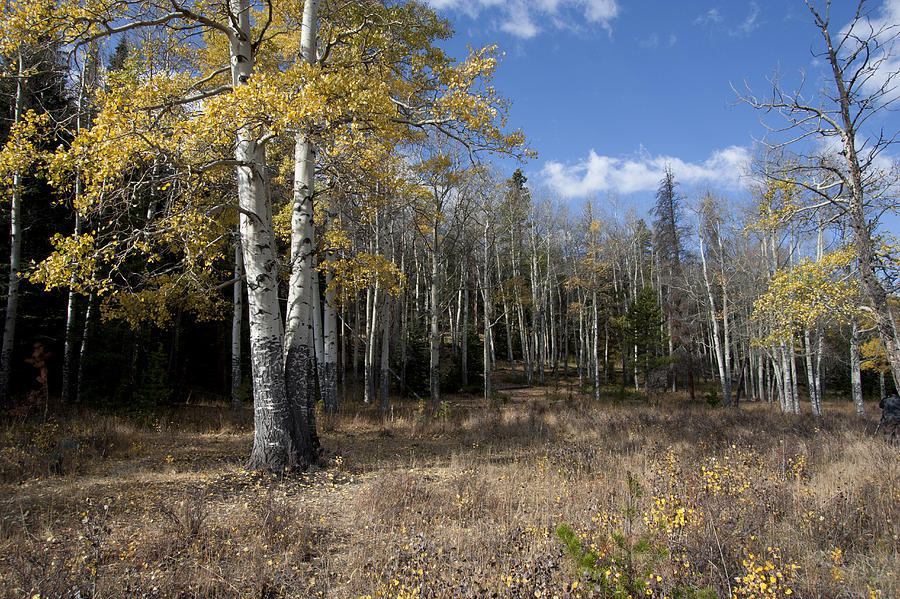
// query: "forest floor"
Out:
[542,493]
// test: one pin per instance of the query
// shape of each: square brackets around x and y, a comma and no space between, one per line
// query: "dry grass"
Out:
[678,500]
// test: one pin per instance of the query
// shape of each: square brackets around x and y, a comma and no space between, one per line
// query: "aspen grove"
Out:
[294,308]
[372,248]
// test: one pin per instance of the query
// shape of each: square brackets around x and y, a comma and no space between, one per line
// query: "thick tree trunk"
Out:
[274,445]
[298,353]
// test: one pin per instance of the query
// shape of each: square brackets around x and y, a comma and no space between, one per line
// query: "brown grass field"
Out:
[539,494]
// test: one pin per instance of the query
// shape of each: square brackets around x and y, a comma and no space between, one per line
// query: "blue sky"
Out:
[610,91]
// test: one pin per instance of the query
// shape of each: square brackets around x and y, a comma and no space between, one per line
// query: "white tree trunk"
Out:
[237,317]
[82,352]
[724,375]
[328,382]
[15,252]
[855,375]
[274,445]
[385,354]
[486,297]
[435,348]
[595,343]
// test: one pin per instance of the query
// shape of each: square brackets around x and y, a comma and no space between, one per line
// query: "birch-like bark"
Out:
[328,381]
[385,355]
[582,337]
[71,340]
[464,339]
[810,375]
[726,327]
[373,296]
[596,343]
[85,341]
[15,251]
[536,310]
[509,347]
[72,309]
[724,378]
[354,366]
[486,296]
[274,446]
[435,347]
[795,381]
[237,319]
[318,329]
[404,323]
[298,353]
[299,341]
[855,374]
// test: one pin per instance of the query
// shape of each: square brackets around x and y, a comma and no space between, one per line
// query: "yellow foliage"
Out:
[808,294]
[22,153]
[360,272]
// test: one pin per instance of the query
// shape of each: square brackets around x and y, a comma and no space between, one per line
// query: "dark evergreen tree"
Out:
[119,55]
[669,235]
[644,330]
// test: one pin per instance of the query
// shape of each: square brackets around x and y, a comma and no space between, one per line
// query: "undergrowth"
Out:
[529,498]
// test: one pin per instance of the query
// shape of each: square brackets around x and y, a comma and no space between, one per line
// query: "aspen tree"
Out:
[861,84]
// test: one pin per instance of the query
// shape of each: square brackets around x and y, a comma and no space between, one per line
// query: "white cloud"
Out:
[709,17]
[519,22]
[520,17]
[750,23]
[713,19]
[650,42]
[724,168]
[599,11]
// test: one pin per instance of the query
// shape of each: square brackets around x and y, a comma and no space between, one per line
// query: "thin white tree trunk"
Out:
[464,339]
[385,354]
[15,251]
[372,298]
[486,297]
[237,316]
[596,344]
[855,374]
[435,348]
[316,323]
[328,381]
[509,347]
[82,352]
[724,376]
[810,375]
